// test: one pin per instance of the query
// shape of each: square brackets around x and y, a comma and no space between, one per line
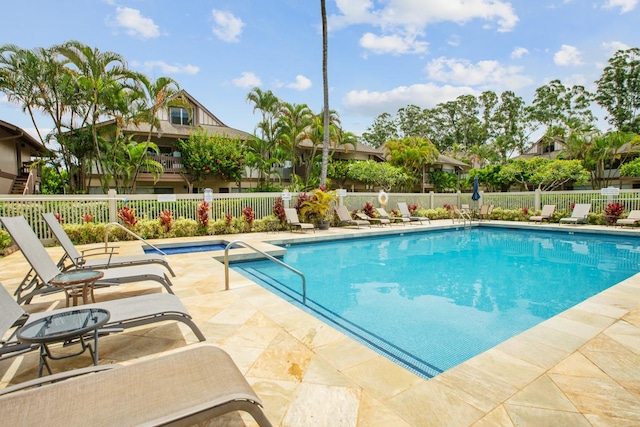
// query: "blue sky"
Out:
[383,54]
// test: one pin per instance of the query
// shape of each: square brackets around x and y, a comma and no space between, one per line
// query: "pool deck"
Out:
[580,368]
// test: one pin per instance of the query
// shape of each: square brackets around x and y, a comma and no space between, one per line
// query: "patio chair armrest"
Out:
[56,377]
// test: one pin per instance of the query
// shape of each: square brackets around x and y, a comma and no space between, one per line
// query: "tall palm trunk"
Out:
[325,87]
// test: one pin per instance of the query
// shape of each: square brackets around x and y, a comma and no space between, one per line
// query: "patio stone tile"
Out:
[318,335]
[381,377]
[577,365]
[509,369]
[599,396]
[319,371]
[554,338]
[276,396]
[306,410]
[591,306]
[475,386]
[495,418]
[535,417]
[429,404]
[542,393]
[346,353]
[626,334]
[532,351]
[577,328]
[615,359]
[605,421]
[373,413]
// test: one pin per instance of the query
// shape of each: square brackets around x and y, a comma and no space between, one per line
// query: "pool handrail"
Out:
[270,257]
[106,237]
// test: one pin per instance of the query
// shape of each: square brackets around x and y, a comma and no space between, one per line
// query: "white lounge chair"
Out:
[404,211]
[86,258]
[294,222]
[188,386]
[44,269]
[632,219]
[579,214]
[545,215]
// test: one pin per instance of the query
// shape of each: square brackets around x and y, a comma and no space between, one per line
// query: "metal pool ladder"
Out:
[266,255]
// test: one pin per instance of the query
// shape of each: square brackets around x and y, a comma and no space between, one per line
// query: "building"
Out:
[18,150]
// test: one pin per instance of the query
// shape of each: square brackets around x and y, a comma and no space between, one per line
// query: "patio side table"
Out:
[77,283]
[66,327]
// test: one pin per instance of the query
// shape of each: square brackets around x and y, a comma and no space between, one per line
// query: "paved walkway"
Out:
[581,367]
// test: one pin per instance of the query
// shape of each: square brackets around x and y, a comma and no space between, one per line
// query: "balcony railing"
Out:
[171,164]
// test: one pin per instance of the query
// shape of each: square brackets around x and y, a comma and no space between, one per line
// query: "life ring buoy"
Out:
[383,198]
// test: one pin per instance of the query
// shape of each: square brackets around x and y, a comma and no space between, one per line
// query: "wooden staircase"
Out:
[19,184]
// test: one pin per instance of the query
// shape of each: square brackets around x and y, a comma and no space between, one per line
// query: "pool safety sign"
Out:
[610,191]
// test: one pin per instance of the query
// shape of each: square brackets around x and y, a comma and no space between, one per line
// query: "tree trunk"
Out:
[325,85]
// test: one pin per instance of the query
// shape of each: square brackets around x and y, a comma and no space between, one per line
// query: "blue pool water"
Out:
[432,300]
[185,248]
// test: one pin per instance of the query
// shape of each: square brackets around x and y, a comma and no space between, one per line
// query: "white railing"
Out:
[104,208]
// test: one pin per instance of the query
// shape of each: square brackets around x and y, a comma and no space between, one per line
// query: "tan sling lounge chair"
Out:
[91,260]
[404,211]
[394,219]
[125,313]
[187,386]
[379,221]
[580,214]
[631,219]
[293,221]
[545,215]
[44,269]
[345,218]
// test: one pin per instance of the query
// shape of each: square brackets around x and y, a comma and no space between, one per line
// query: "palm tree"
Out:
[158,95]
[292,122]
[269,106]
[325,90]
[101,77]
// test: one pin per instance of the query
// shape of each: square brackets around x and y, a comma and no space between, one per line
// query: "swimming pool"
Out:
[432,300]
[185,248]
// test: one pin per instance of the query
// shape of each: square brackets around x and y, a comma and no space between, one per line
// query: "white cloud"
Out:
[135,24]
[393,44]
[226,26]
[247,80]
[428,95]
[165,68]
[301,83]
[483,74]
[519,52]
[624,5]
[614,46]
[414,15]
[567,55]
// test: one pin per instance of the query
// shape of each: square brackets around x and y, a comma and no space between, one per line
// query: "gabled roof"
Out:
[172,131]
[9,131]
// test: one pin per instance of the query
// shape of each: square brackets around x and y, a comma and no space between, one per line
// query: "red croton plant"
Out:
[613,212]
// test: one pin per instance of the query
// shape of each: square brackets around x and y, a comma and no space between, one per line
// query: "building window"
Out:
[179,116]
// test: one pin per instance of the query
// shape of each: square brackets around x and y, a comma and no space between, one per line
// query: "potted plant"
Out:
[318,207]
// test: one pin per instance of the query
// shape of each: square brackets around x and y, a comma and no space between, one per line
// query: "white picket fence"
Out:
[104,208]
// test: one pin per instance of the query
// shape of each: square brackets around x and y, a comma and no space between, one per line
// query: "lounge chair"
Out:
[394,219]
[545,215]
[187,386]
[345,218]
[459,215]
[404,211]
[485,212]
[293,221]
[580,214]
[44,269]
[379,221]
[86,260]
[631,219]
[125,313]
